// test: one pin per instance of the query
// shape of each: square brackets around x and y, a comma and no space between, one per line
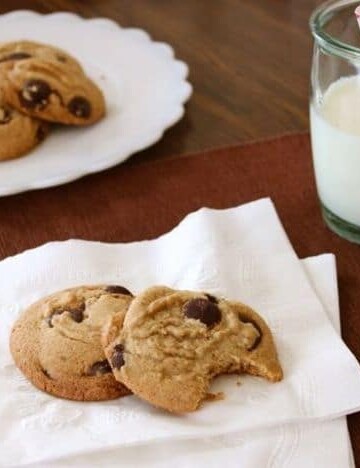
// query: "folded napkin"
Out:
[242,253]
[290,446]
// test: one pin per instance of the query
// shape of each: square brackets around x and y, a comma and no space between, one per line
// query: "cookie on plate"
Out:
[11,52]
[56,342]
[18,133]
[48,90]
[170,345]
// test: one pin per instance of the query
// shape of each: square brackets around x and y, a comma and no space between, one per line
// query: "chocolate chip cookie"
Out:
[18,133]
[48,90]
[11,52]
[56,342]
[171,344]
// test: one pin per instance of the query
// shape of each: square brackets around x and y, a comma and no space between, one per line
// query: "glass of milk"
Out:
[335,115]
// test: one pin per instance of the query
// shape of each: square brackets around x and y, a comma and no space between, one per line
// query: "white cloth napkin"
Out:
[242,253]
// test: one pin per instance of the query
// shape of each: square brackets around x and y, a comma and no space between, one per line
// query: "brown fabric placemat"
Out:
[135,202]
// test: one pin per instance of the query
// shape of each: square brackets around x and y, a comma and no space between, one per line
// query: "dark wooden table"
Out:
[249,62]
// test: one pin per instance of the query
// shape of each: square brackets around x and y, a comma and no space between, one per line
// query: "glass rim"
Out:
[319,19]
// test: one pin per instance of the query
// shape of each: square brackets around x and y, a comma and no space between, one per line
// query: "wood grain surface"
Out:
[249,62]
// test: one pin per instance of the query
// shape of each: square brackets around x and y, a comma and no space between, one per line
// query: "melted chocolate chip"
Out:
[212,298]
[49,318]
[61,58]
[204,310]
[256,343]
[15,56]
[35,93]
[256,326]
[80,107]
[117,359]
[40,133]
[100,368]
[76,313]
[5,115]
[115,289]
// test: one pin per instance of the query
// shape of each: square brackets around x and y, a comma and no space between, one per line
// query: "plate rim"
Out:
[178,109]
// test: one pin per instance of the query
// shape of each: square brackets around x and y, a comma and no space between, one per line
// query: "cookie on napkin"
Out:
[171,344]
[56,342]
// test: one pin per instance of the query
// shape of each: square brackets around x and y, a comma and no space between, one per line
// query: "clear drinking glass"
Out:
[335,115]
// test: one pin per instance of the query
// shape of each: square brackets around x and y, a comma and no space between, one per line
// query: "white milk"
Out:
[335,138]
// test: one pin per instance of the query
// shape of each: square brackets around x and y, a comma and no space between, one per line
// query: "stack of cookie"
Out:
[165,346]
[40,84]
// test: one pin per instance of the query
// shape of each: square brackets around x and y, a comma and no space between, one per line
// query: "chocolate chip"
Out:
[49,318]
[15,56]
[204,310]
[115,289]
[80,107]
[100,368]
[117,359]
[77,313]
[212,298]
[256,326]
[40,133]
[35,93]
[5,115]
[256,343]
[61,58]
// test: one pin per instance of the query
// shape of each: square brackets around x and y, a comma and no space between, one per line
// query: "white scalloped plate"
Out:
[144,86]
